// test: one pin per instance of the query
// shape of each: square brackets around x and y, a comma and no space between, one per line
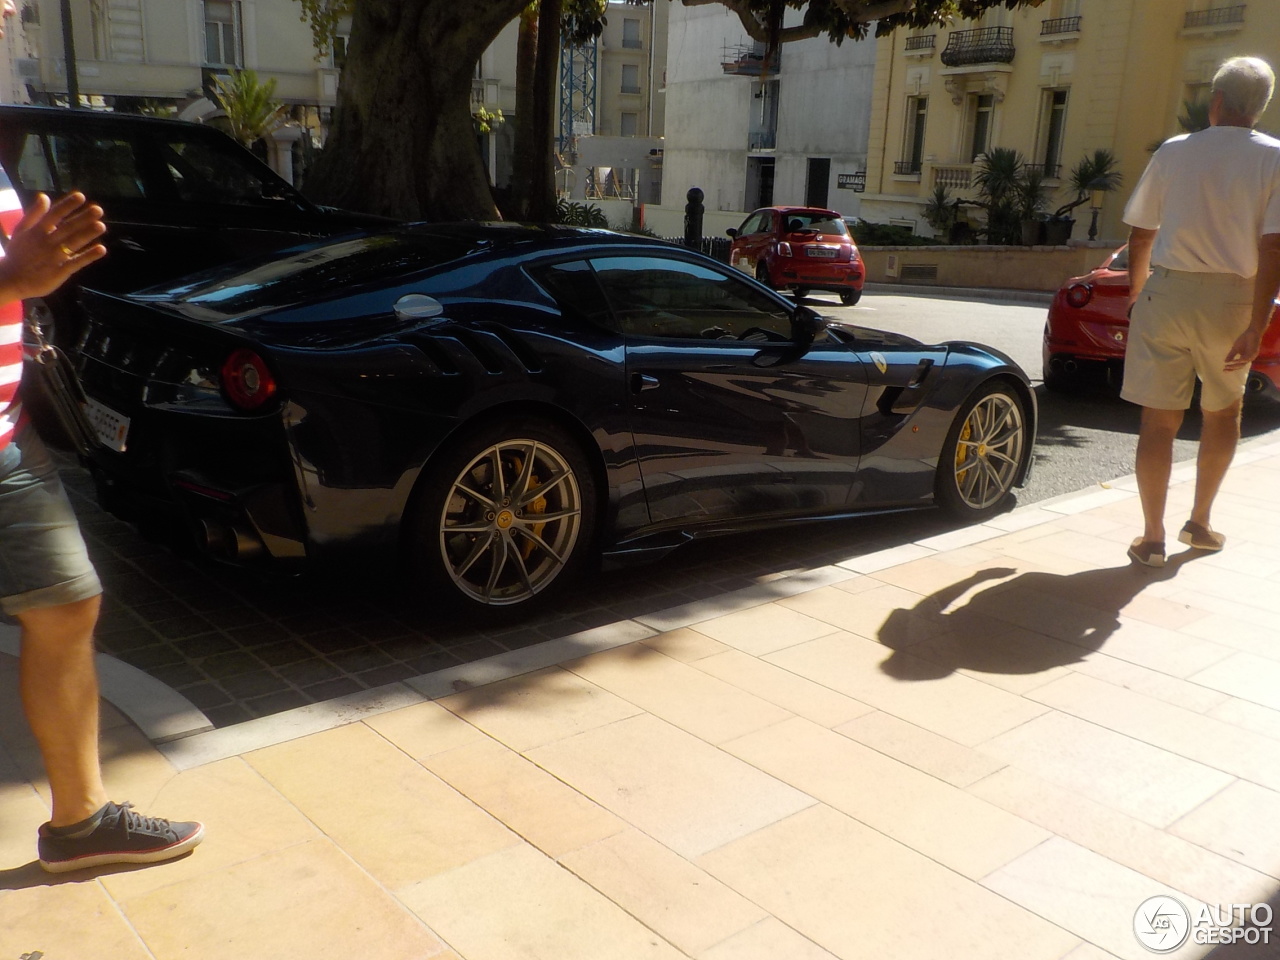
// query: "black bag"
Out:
[54,400]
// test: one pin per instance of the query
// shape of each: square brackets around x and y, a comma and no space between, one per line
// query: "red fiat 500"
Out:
[799,249]
[1088,328]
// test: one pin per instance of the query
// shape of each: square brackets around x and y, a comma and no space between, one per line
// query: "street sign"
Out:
[857,182]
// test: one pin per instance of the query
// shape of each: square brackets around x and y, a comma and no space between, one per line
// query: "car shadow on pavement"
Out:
[1024,624]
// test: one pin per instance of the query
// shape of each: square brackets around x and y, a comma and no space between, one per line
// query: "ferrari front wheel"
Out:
[507,517]
[983,453]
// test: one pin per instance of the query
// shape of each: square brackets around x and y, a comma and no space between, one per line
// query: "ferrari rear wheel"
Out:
[508,516]
[983,453]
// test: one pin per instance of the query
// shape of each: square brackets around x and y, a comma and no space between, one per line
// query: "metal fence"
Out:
[717,248]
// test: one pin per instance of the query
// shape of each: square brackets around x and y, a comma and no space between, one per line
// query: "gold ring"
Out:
[67,251]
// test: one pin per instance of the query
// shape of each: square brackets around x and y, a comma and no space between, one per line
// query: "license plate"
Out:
[112,427]
[826,252]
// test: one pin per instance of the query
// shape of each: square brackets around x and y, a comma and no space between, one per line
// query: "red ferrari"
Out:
[1087,330]
[799,249]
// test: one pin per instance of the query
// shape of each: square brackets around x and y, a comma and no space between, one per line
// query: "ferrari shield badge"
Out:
[880,362]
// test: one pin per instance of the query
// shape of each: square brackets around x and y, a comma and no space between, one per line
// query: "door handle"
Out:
[642,381]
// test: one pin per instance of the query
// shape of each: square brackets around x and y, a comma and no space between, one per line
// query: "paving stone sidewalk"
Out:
[995,742]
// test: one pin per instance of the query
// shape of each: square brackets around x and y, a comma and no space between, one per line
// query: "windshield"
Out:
[1120,261]
[816,220]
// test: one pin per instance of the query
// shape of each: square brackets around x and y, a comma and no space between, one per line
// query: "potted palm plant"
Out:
[998,174]
[1032,197]
[1096,172]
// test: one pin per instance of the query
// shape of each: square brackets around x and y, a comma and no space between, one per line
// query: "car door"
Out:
[898,462]
[730,418]
[754,241]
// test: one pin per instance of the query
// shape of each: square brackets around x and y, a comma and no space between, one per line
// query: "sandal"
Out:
[1201,538]
[1149,553]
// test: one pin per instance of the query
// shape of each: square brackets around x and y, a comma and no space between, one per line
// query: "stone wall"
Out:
[1011,268]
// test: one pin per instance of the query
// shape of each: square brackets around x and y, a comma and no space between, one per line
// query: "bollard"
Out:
[693,219]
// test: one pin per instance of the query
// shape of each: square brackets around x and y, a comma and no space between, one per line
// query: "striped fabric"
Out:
[10,323]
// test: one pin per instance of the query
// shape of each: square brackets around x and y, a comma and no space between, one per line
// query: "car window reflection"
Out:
[673,299]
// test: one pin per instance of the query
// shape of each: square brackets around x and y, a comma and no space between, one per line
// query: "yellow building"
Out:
[1055,83]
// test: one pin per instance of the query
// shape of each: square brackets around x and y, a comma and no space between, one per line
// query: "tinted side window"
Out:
[203,172]
[104,168]
[574,287]
[674,299]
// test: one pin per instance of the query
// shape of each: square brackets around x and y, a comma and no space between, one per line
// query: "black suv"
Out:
[178,197]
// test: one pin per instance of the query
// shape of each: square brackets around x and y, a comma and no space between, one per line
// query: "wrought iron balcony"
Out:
[922,42]
[1060,25]
[1214,17]
[906,168]
[984,45]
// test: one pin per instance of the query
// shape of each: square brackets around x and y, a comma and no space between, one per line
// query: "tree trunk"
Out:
[402,142]
[524,148]
[542,194]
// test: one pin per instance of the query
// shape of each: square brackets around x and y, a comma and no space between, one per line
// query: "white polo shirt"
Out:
[1210,195]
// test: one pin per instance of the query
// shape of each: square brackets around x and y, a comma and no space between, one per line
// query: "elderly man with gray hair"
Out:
[1205,221]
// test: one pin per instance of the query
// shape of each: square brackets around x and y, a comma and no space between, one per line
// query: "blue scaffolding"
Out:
[577,93]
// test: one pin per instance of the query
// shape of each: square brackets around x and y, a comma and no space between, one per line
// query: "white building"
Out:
[750,134]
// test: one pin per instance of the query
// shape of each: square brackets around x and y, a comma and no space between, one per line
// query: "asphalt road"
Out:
[1083,440]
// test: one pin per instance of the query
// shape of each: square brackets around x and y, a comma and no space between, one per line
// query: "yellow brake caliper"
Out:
[962,452]
[535,507]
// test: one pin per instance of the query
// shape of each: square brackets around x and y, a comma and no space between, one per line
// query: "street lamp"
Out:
[1096,190]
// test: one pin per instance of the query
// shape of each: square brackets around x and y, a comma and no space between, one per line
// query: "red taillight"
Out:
[246,380]
[784,249]
[1078,294]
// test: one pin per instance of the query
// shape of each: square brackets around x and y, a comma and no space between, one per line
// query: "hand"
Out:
[49,244]
[1243,351]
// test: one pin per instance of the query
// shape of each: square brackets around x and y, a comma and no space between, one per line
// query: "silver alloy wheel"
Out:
[510,522]
[989,451]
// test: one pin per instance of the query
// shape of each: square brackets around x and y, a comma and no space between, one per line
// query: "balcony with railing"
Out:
[921,45]
[1050,171]
[1215,17]
[749,60]
[983,45]
[955,176]
[1059,26]
[907,168]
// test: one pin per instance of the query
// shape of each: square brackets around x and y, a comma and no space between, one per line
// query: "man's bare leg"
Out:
[1154,465]
[59,683]
[1219,436]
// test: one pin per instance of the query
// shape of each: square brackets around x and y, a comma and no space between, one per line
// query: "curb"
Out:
[1038,297]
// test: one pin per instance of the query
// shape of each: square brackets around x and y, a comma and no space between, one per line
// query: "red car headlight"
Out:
[1079,294]
[247,381]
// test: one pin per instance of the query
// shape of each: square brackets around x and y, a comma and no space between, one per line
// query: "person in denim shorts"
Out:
[47,582]
[1205,221]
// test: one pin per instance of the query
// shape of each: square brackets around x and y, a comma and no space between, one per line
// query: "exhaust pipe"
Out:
[227,542]
[1254,384]
[1070,366]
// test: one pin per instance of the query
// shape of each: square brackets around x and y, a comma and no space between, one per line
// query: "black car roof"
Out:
[27,113]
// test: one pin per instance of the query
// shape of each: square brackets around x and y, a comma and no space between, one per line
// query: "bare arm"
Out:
[1266,284]
[51,242]
[1140,243]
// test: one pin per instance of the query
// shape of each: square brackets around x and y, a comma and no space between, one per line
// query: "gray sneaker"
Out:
[115,834]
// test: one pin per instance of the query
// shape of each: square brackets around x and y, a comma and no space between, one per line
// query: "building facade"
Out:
[1055,83]
[751,133]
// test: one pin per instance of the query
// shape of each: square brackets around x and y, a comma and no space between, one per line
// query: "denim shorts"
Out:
[43,561]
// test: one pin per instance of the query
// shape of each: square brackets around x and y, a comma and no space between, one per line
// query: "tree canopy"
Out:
[403,116]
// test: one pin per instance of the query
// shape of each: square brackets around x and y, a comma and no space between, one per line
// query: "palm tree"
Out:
[1195,116]
[251,114]
[1096,172]
[999,173]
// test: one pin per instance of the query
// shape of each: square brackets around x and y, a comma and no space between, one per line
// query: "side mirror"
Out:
[806,325]
[732,232]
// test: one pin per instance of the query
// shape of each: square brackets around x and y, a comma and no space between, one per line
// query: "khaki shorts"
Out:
[1183,326]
